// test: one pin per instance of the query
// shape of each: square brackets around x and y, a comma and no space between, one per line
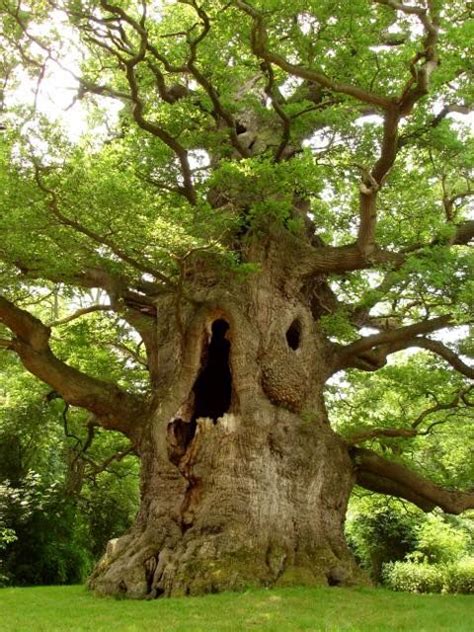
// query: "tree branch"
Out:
[99,239]
[437,347]
[386,477]
[391,339]
[79,313]
[203,81]
[376,433]
[340,259]
[259,48]
[275,97]
[134,300]
[372,182]
[113,407]
[418,84]
[459,400]
[128,59]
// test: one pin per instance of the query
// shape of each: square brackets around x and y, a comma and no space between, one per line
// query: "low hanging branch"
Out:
[437,347]
[385,477]
[114,408]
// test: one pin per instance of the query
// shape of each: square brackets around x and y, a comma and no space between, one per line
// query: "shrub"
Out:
[460,576]
[7,536]
[50,536]
[441,542]
[381,533]
[421,577]
[414,577]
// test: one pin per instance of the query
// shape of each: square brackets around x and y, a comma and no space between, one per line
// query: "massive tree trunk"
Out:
[243,481]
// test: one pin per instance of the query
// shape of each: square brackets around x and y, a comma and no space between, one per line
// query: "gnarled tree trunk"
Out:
[243,481]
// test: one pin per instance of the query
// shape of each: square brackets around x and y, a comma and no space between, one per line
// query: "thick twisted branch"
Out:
[386,477]
[370,353]
[114,408]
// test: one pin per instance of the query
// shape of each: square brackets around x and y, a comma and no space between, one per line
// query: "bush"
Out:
[379,533]
[460,576]
[50,540]
[441,542]
[414,577]
[7,536]
[421,577]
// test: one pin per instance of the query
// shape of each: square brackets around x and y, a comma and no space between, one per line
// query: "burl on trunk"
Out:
[243,481]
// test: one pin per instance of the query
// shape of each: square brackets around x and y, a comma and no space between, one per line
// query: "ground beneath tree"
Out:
[67,608]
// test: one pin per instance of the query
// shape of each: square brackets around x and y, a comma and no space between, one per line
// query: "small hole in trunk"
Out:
[333,582]
[336,576]
[293,335]
[213,387]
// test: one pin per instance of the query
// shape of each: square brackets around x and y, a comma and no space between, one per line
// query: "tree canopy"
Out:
[348,109]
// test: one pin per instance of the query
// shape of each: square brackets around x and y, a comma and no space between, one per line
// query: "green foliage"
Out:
[55,514]
[7,536]
[460,576]
[407,550]
[385,532]
[50,546]
[413,577]
[438,541]
[380,532]
[421,577]
[395,397]
[338,326]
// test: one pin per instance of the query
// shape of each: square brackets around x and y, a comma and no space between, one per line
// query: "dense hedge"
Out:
[422,577]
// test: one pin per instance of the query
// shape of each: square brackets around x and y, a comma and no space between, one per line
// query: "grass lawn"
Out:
[71,608]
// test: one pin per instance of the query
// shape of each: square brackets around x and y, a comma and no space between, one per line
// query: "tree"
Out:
[282,198]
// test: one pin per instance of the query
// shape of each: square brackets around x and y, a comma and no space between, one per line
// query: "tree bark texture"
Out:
[243,481]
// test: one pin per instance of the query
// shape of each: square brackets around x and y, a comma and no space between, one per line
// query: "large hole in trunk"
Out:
[213,387]
[212,390]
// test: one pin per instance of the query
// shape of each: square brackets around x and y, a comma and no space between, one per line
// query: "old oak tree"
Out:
[281,196]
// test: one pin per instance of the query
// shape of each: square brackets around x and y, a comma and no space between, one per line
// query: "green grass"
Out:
[72,608]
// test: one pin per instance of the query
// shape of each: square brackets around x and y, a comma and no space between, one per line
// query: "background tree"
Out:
[282,197]
[55,465]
